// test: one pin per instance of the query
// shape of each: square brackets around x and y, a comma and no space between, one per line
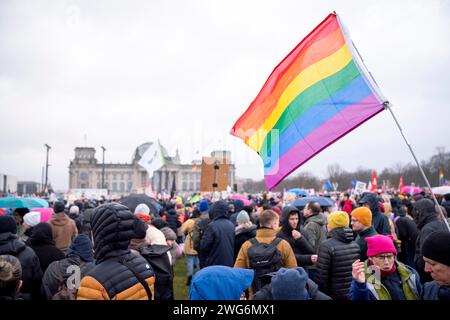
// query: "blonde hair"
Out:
[10,274]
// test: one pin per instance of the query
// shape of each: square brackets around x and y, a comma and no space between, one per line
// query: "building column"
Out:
[167,181]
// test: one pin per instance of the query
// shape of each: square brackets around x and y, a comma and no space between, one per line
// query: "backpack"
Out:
[264,258]
[156,256]
[64,293]
[198,231]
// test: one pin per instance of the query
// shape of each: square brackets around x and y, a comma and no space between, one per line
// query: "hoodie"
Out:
[220,283]
[379,221]
[41,241]
[302,248]
[64,230]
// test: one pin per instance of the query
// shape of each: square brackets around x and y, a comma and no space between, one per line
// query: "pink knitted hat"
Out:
[380,244]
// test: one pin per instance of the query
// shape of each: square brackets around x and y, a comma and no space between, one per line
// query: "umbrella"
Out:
[237,196]
[299,192]
[30,203]
[411,189]
[441,190]
[46,213]
[134,199]
[323,201]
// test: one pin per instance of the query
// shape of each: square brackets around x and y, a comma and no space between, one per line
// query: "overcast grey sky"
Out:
[127,72]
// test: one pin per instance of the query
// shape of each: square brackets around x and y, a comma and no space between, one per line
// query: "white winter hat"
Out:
[32,218]
[142,208]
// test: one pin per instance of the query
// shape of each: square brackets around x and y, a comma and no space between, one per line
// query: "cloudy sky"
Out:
[121,73]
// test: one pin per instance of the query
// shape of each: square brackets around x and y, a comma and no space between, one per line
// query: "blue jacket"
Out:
[433,291]
[217,243]
[361,291]
[220,283]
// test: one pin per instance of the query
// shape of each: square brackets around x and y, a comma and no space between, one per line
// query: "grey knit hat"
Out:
[242,217]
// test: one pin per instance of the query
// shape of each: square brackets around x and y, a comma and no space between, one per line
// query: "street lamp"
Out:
[103,168]
[46,167]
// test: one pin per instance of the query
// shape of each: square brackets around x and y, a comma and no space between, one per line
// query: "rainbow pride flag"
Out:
[320,92]
[441,177]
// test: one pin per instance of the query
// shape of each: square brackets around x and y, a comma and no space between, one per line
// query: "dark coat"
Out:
[302,248]
[361,241]
[407,233]
[433,291]
[31,268]
[265,293]
[113,227]
[171,217]
[217,243]
[41,241]
[334,265]
[428,222]
[379,221]
[242,235]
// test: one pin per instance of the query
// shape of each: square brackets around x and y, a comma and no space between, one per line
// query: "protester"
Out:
[361,221]
[297,237]
[382,276]
[193,264]
[10,279]
[217,243]
[244,231]
[436,255]
[18,215]
[74,214]
[379,221]
[41,241]
[336,255]
[346,204]
[142,211]
[220,283]
[64,228]
[10,244]
[199,230]
[428,221]
[315,224]
[80,257]
[407,233]
[171,217]
[113,227]
[290,284]
[265,253]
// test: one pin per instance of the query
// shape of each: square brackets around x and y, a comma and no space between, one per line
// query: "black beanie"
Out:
[58,207]
[437,247]
[7,224]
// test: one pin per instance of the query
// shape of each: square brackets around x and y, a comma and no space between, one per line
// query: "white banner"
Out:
[360,187]
[152,159]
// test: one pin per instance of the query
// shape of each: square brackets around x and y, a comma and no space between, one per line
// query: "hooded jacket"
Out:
[64,230]
[80,254]
[316,226]
[31,268]
[334,265]
[428,222]
[243,234]
[217,243]
[220,283]
[113,227]
[41,241]
[313,292]
[302,248]
[379,221]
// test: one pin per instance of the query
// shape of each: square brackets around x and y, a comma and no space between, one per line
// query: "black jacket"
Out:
[113,227]
[407,233]
[242,235]
[379,221]
[217,243]
[172,220]
[31,269]
[334,265]
[62,270]
[302,248]
[428,222]
[265,293]
[41,241]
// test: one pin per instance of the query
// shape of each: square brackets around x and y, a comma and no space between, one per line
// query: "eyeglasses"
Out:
[385,256]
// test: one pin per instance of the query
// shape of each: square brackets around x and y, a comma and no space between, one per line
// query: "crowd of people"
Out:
[364,248]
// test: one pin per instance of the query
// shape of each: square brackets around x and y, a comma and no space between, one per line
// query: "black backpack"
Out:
[156,256]
[264,258]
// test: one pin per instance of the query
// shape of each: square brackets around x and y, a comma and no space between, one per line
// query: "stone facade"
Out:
[85,172]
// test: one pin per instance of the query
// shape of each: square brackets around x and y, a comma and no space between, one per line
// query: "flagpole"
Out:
[387,106]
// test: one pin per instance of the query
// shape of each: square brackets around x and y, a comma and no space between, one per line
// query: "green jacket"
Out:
[410,283]
[316,227]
